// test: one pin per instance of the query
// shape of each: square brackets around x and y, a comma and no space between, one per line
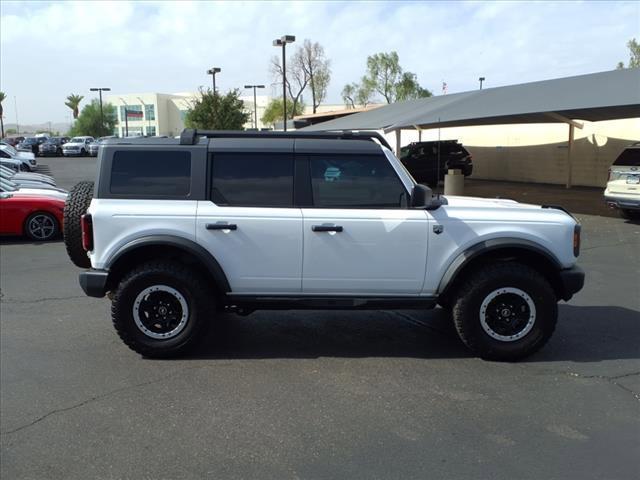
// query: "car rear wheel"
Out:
[161,309]
[41,226]
[505,311]
[76,205]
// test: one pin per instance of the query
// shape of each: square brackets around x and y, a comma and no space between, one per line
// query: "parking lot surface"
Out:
[326,395]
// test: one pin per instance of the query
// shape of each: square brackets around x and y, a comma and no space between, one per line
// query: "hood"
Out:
[40,192]
[24,155]
[470,202]
[73,144]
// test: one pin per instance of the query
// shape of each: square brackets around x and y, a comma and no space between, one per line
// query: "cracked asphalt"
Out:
[322,395]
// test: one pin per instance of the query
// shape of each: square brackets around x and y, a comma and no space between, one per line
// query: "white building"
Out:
[164,113]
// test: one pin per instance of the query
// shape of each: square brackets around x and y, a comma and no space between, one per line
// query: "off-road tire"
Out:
[76,205]
[478,285]
[200,301]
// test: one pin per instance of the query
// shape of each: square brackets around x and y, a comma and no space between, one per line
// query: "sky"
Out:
[49,50]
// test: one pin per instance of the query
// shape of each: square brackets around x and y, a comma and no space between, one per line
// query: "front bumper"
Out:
[94,282]
[571,281]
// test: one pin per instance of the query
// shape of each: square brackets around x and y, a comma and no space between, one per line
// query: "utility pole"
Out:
[126,117]
[255,104]
[212,71]
[481,79]
[100,90]
[282,42]
[15,104]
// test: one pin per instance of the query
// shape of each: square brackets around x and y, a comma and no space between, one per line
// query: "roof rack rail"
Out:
[190,136]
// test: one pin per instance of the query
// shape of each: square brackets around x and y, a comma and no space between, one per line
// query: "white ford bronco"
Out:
[175,231]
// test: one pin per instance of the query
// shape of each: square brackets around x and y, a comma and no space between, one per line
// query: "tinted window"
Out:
[629,158]
[356,181]
[247,179]
[151,173]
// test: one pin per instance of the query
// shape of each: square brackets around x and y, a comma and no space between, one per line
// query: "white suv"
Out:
[177,230]
[77,146]
[623,187]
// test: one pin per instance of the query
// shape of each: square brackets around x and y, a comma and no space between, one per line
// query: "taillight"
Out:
[576,240]
[86,224]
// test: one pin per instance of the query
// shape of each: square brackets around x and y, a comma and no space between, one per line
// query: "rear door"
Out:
[249,223]
[359,236]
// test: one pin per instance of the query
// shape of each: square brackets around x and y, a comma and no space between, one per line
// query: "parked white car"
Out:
[77,146]
[13,175]
[623,187]
[23,161]
[8,186]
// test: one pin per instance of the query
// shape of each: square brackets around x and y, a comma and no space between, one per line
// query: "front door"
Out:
[359,237]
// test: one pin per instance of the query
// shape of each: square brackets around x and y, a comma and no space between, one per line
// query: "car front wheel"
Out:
[505,311]
[161,309]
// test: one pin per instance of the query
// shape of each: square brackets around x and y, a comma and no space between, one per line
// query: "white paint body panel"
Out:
[117,222]
[379,252]
[264,255]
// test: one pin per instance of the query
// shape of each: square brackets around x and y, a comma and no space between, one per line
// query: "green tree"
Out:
[634,55]
[385,77]
[89,121]
[356,94]
[273,113]
[213,111]
[3,96]
[11,131]
[73,102]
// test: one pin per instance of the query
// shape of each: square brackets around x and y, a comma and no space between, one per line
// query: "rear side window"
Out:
[355,181]
[151,173]
[252,179]
[630,157]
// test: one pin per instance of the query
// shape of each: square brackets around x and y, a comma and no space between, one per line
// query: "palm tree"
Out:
[73,102]
[2,97]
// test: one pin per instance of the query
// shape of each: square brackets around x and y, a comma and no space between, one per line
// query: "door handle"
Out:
[326,228]
[221,226]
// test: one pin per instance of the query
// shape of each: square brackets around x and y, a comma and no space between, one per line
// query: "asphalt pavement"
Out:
[322,395]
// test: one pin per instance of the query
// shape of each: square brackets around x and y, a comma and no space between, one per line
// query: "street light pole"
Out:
[100,90]
[212,71]
[482,79]
[255,104]
[145,114]
[282,42]
[126,117]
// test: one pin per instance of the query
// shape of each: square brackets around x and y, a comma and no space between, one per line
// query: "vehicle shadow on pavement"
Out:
[11,240]
[593,334]
[312,334]
[583,334]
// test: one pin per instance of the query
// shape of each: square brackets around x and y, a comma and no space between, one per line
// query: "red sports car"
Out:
[37,216]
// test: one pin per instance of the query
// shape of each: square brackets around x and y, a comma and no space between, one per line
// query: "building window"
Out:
[149,112]
[151,131]
[183,114]
[132,109]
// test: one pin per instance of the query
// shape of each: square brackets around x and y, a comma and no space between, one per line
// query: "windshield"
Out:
[77,140]
[30,141]
[7,185]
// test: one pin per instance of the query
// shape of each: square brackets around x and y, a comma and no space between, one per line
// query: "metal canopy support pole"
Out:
[398,141]
[569,159]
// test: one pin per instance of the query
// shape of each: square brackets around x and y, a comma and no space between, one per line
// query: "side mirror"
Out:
[421,196]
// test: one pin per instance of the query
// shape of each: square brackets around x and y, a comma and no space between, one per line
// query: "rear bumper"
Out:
[623,202]
[571,281]
[94,282]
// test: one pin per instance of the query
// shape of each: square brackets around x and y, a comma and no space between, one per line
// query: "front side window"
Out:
[252,179]
[151,173]
[355,181]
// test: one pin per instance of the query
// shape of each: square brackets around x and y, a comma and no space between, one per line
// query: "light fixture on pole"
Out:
[282,42]
[255,104]
[481,79]
[100,90]
[212,71]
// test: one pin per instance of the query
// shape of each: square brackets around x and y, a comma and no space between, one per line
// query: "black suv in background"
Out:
[31,144]
[53,146]
[421,159]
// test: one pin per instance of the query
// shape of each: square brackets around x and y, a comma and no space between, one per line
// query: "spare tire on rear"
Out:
[76,205]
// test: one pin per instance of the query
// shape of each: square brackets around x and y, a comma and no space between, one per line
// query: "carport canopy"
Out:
[593,97]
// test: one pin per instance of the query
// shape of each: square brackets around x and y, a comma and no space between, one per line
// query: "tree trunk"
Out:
[2,126]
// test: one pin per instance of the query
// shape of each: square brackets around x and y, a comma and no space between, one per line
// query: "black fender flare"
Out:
[486,246]
[188,246]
